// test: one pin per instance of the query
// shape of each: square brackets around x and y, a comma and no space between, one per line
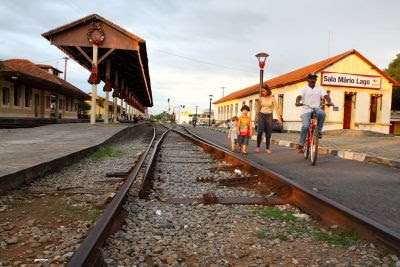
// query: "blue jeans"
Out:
[306,117]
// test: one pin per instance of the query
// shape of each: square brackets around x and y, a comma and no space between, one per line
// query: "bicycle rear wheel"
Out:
[314,147]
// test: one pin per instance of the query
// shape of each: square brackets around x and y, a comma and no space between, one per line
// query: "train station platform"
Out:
[27,153]
[371,190]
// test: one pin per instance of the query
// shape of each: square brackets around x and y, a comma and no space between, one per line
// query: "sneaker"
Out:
[299,149]
[257,149]
[267,151]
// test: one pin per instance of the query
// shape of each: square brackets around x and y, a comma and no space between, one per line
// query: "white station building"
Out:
[361,92]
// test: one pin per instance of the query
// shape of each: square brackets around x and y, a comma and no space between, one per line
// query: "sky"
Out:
[196,47]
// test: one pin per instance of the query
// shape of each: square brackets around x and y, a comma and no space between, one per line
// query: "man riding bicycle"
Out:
[311,97]
[194,121]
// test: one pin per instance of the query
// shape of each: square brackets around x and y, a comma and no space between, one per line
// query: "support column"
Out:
[115,109]
[122,101]
[94,88]
[107,93]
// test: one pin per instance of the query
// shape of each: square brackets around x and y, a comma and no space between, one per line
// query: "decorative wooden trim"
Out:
[144,77]
[105,55]
[83,53]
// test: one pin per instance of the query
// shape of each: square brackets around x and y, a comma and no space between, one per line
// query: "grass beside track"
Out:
[107,152]
[296,228]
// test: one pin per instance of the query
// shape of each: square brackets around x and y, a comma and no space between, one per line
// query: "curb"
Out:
[29,174]
[345,154]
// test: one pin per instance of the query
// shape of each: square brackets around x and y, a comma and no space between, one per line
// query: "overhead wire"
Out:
[202,61]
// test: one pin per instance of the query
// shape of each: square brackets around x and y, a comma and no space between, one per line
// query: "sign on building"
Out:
[350,80]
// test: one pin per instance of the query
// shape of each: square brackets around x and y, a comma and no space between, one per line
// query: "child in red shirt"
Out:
[245,130]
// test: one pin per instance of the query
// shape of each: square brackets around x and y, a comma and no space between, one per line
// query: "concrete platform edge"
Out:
[363,157]
[13,180]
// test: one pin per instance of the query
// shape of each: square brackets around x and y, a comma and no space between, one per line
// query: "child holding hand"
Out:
[233,133]
[245,129]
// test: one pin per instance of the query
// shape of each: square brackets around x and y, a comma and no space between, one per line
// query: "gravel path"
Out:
[158,234]
[43,224]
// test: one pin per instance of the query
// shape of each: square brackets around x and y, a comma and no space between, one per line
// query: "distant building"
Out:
[28,90]
[359,89]
[203,118]
[100,107]
[395,123]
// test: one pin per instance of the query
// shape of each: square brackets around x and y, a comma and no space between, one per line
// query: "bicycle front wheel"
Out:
[314,147]
[306,148]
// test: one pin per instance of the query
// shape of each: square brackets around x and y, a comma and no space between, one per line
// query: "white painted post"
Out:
[115,100]
[122,101]
[107,93]
[94,88]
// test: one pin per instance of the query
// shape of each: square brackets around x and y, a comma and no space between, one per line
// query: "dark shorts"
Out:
[243,140]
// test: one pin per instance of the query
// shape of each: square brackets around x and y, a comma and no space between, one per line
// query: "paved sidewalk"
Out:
[383,150]
[388,147]
[26,153]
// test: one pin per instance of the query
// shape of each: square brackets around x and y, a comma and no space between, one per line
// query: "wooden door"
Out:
[373,109]
[347,112]
[37,103]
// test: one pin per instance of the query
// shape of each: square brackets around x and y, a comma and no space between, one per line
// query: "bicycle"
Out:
[311,145]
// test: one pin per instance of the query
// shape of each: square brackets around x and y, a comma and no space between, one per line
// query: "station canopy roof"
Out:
[125,51]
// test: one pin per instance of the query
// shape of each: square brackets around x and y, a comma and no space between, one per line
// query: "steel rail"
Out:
[325,210]
[89,253]
[151,163]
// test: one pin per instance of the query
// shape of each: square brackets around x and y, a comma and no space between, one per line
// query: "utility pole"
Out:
[223,90]
[65,68]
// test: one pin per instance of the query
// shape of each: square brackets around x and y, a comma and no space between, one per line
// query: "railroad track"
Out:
[276,189]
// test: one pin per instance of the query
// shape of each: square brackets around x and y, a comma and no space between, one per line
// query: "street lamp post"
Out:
[209,118]
[262,57]
[196,111]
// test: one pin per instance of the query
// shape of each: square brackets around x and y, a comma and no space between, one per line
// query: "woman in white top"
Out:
[266,106]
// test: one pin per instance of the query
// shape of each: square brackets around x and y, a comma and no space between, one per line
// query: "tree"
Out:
[83,107]
[100,102]
[393,71]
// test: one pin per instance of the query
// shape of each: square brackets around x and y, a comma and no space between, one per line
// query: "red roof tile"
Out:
[28,68]
[45,66]
[300,75]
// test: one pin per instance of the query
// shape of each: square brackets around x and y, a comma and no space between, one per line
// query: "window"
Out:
[66,103]
[373,108]
[6,96]
[28,96]
[236,109]
[243,103]
[76,107]
[17,95]
[47,102]
[231,111]
[280,103]
[251,107]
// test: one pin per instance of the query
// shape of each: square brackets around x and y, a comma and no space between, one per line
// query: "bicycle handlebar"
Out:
[320,106]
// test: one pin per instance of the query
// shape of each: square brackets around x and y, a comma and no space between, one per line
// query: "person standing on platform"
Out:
[245,130]
[264,117]
[233,133]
